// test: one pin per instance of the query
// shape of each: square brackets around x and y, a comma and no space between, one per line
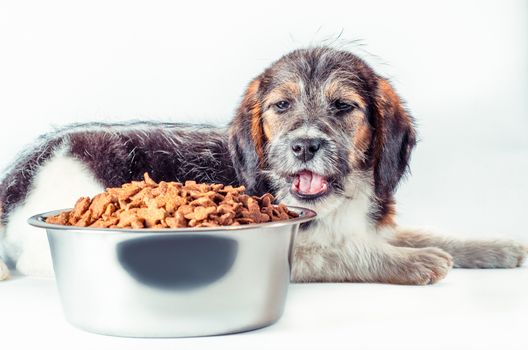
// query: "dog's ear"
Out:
[247,140]
[394,139]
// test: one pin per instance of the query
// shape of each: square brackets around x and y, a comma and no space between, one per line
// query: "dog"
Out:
[318,128]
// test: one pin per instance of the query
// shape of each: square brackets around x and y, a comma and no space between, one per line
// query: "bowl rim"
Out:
[37,220]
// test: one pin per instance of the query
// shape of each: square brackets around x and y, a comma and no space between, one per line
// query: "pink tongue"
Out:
[310,183]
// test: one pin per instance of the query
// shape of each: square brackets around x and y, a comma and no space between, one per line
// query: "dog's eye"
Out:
[282,105]
[341,106]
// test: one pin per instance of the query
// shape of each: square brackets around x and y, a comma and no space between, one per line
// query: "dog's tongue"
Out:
[307,182]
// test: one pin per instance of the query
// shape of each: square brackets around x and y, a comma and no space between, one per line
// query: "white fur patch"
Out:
[343,228]
[56,185]
[340,221]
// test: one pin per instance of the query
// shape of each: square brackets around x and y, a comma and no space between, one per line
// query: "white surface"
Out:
[460,65]
[470,309]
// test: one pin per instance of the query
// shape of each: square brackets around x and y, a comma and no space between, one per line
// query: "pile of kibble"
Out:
[147,204]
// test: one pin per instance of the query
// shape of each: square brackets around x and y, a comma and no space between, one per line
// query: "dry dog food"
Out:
[147,204]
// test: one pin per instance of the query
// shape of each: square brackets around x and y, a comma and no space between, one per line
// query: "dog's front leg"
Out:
[466,253]
[369,261]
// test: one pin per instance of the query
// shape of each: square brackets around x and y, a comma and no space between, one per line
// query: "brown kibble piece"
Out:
[129,218]
[200,213]
[80,207]
[203,202]
[178,221]
[185,209]
[104,223]
[85,220]
[99,204]
[61,219]
[110,209]
[124,192]
[151,215]
[266,200]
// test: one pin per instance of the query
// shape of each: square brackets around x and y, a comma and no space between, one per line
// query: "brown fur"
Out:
[388,219]
[253,104]
[336,89]
[269,124]
[361,141]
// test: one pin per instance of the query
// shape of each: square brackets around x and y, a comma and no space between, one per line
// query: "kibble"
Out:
[147,204]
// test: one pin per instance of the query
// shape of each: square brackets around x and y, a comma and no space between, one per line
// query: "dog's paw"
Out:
[4,271]
[424,266]
[492,254]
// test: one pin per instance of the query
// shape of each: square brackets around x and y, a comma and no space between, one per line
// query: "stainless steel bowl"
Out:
[172,282]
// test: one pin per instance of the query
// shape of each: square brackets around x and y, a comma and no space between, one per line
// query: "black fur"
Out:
[242,147]
[395,139]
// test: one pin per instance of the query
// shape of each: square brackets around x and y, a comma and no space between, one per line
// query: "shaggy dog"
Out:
[318,128]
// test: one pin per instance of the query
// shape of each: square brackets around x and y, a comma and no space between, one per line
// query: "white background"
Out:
[462,67]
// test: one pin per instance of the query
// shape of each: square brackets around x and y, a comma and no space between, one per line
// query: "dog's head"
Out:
[318,124]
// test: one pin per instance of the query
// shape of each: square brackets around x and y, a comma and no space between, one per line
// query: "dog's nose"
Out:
[305,149]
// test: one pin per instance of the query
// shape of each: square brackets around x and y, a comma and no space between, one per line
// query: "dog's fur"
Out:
[364,135]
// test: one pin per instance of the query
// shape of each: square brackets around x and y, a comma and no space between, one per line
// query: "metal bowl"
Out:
[172,282]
